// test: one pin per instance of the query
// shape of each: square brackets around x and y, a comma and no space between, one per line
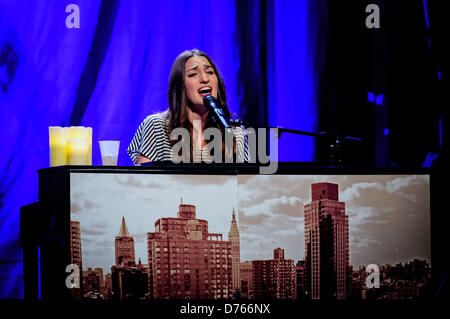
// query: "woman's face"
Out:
[199,80]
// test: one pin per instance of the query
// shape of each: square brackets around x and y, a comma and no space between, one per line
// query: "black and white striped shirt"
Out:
[152,142]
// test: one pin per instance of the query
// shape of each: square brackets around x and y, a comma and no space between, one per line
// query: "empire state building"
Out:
[233,237]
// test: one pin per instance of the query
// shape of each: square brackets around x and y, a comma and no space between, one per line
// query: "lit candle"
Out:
[78,150]
[81,132]
[58,137]
[89,132]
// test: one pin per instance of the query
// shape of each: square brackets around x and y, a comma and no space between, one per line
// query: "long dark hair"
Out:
[177,115]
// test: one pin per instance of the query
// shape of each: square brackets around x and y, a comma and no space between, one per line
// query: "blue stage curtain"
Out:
[294,66]
[113,71]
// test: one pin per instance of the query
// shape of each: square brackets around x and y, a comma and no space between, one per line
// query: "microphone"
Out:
[217,114]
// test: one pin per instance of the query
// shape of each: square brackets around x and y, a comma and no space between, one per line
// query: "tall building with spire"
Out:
[129,281]
[326,243]
[124,245]
[233,237]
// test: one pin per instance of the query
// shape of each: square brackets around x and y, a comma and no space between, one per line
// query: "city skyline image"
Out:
[388,215]
[221,235]
[99,201]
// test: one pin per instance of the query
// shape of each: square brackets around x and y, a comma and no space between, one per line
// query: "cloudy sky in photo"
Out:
[389,215]
[100,200]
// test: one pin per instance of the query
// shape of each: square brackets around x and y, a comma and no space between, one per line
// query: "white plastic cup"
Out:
[110,152]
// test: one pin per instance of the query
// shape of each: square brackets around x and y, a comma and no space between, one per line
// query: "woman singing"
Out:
[193,76]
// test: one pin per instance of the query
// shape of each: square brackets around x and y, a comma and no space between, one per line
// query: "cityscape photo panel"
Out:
[169,236]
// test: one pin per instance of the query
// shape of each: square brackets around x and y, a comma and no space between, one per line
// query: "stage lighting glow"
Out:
[379,99]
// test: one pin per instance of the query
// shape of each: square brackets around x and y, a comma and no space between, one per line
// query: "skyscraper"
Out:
[233,236]
[129,281]
[75,254]
[326,243]
[107,293]
[186,261]
[274,278]
[75,244]
[300,270]
[93,280]
[246,279]
[124,245]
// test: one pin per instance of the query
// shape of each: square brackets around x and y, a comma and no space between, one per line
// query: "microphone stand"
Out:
[333,141]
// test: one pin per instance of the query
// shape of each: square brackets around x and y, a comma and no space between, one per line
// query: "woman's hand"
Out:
[142,159]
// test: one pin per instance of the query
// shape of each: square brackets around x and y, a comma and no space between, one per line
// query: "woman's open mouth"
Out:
[205,90]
